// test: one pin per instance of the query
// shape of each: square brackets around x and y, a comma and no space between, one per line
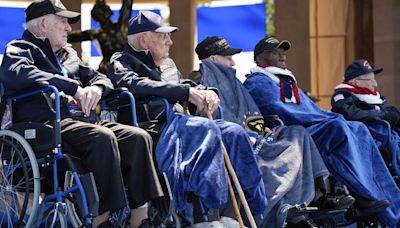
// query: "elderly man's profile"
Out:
[112,35]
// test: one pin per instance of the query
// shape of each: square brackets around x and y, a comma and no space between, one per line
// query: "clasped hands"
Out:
[86,98]
[204,99]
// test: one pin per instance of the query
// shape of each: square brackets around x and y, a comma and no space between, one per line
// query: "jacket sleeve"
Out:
[125,71]
[86,75]
[18,71]
[346,105]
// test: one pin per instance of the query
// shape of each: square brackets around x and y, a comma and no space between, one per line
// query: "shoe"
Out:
[367,207]
[333,202]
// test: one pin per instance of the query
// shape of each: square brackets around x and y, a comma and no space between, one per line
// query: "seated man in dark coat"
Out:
[357,99]
[189,147]
[115,153]
[347,147]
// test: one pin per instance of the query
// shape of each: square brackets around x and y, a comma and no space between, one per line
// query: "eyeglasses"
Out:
[366,79]
[163,36]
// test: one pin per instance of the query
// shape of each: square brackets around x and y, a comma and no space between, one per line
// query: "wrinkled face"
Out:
[56,29]
[276,58]
[158,44]
[224,60]
[366,81]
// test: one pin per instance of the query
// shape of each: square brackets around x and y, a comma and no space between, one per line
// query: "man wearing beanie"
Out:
[114,153]
[356,98]
[348,149]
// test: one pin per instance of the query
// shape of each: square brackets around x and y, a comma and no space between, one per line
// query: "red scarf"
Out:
[287,87]
[359,90]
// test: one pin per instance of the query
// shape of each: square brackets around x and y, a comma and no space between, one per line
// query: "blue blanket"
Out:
[387,139]
[189,151]
[293,148]
[236,102]
[347,147]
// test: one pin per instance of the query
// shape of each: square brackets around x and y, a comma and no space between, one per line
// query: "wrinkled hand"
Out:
[211,100]
[204,99]
[88,98]
[197,98]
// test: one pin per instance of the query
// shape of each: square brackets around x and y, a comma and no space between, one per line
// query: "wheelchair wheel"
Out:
[56,219]
[19,181]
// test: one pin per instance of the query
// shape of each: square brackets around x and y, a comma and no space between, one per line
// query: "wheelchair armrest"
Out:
[35,87]
[117,91]
[164,102]
[120,98]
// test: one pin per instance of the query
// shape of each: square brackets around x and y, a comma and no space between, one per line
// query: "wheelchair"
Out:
[30,154]
[127,107]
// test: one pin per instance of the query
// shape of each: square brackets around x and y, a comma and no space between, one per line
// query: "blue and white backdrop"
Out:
[243,28]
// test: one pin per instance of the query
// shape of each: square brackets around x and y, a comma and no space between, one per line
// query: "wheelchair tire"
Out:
[19,181]
[56,219]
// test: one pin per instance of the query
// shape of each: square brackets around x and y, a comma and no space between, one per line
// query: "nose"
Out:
[68,27]
[169,41]
[233,63]
[282,56]
[374,83]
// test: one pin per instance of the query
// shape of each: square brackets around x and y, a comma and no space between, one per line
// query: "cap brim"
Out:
[377,70]
[284,44]
[73,17]
[166,29]
[230,51]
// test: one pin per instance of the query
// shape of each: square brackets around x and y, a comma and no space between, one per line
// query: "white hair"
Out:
[135,41]
[33,25]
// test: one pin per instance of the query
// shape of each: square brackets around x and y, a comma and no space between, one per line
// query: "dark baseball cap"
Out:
[44,7]
[148,21]
[269,44]
[358,68]
[214,45]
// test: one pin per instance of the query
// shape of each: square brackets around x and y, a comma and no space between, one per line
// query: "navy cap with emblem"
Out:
[214,45]
[269,44]
[148,21]
[358,68]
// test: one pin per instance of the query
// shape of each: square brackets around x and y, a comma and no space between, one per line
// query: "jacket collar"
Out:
[144,56]
[43,44]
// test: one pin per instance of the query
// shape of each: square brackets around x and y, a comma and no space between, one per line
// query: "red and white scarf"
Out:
[282,77]
[364,94]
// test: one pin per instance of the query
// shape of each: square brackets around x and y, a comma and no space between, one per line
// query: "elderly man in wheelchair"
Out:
[116,155]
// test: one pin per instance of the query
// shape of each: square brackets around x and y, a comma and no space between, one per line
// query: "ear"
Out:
[42,25]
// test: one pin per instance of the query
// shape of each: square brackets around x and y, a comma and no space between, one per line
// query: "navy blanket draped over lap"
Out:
[347,147]
[235,100]
[387,138]
[289,164]
[189,151]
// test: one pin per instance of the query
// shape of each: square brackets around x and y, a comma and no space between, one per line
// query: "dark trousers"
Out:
[117,155]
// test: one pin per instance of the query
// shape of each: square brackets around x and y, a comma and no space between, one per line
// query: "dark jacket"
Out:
[138,72]
[353,108]
[30,60]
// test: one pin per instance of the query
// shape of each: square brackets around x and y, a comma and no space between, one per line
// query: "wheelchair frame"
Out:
[58,196]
